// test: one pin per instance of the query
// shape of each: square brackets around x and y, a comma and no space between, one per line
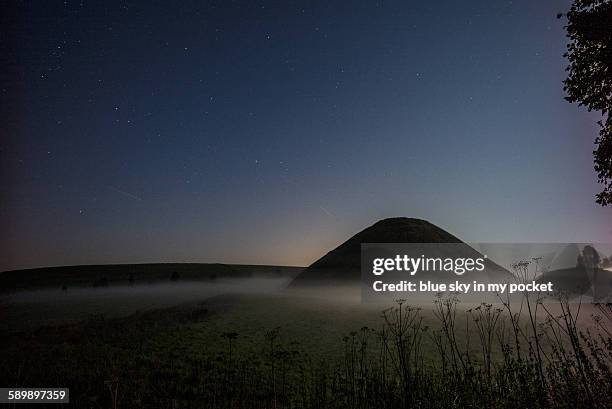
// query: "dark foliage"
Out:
[589,80]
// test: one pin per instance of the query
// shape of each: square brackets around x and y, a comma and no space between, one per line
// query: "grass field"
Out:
[250,342]
[315,318]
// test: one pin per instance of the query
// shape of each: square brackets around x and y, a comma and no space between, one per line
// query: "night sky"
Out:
[269,132]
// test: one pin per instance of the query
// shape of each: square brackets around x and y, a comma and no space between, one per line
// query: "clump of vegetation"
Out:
[100,282]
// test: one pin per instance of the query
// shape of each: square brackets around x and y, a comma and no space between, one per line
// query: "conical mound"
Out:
[343,263]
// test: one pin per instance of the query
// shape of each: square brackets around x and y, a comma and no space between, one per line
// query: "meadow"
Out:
[237,347]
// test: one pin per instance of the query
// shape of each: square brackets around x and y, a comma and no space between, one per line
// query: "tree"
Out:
[589,79]
[589,258]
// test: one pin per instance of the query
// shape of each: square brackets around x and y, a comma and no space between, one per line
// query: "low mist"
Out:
[51,306]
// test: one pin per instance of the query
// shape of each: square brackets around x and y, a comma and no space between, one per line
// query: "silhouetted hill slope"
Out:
[343,263]
[111,274]
[566,258]
[578,280]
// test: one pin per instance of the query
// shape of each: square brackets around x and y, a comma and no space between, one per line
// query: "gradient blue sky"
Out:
[269,132]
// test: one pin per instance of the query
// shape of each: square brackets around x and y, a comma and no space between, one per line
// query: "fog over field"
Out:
[47,306]
[42,307]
